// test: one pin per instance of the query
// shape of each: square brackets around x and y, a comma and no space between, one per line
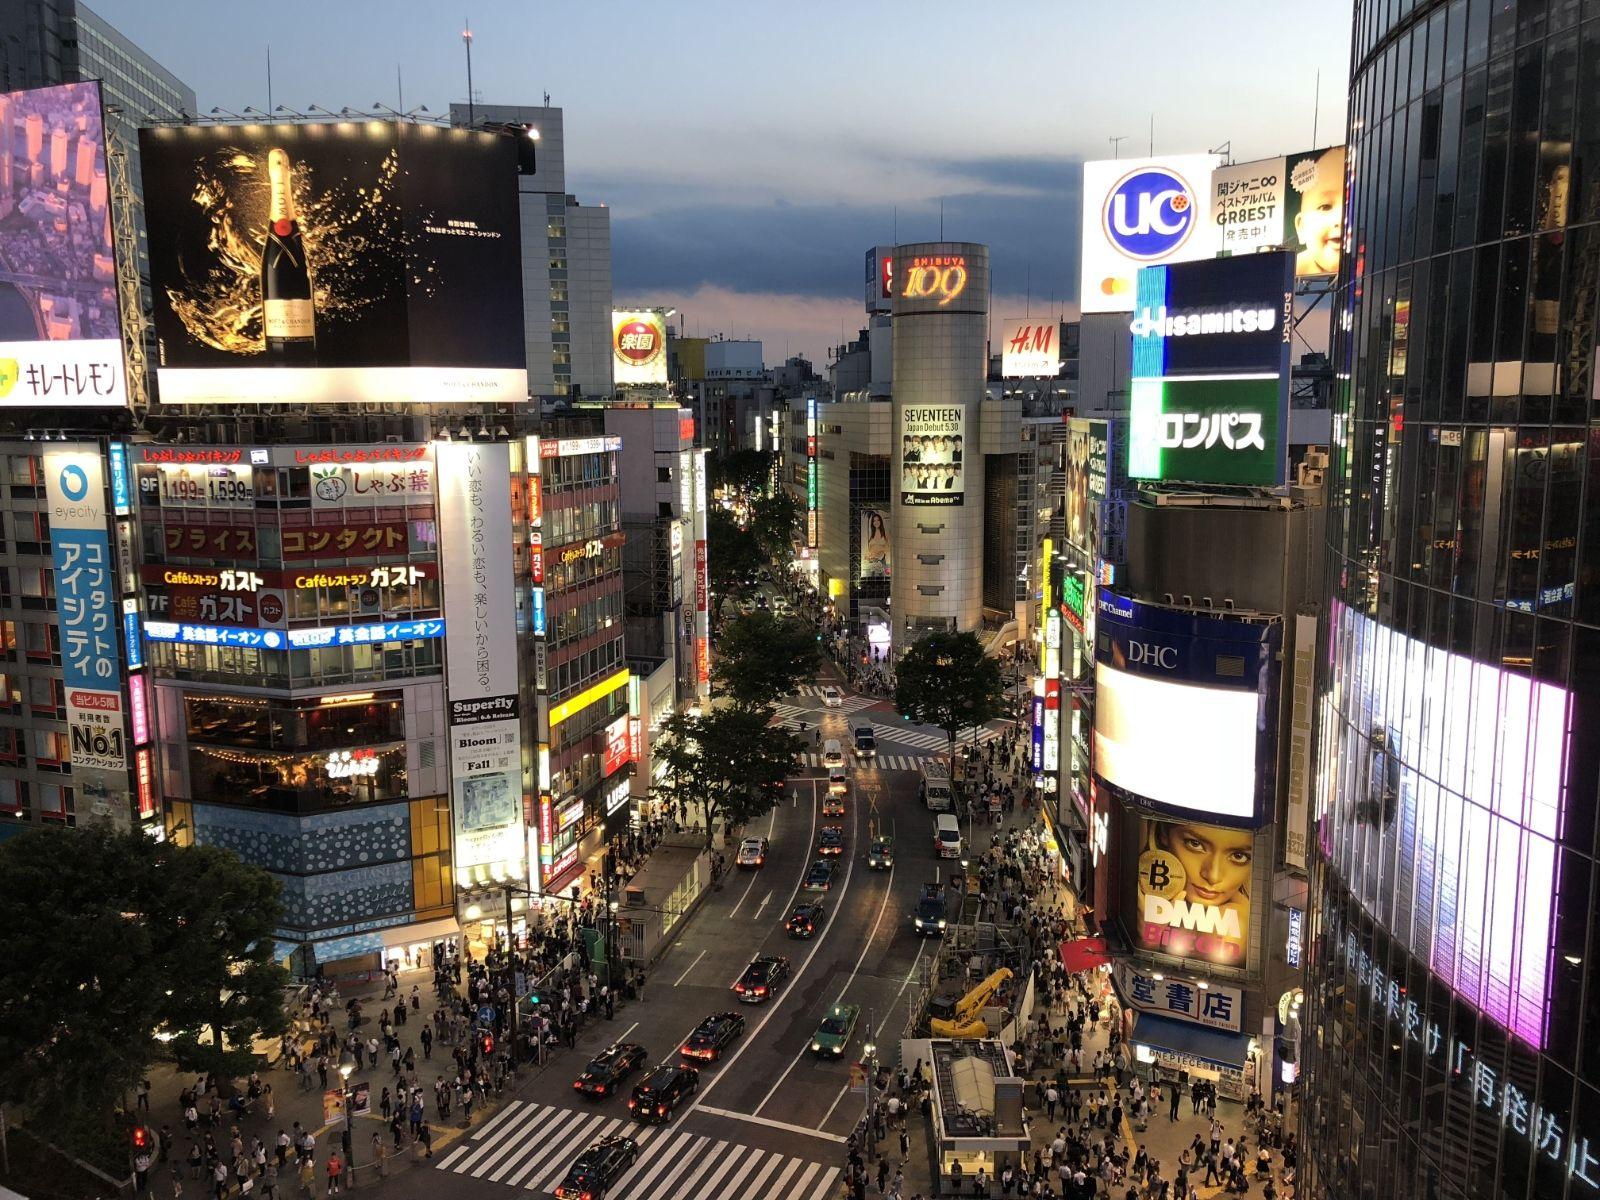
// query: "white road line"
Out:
[816,944]
[624,1035]
[684,1161]
[770,1123]
[800,1184]
[710,1185]
[825,1186]
[580,1144]
[835,1104]
[756,874]
[645,1156]
[491,1151]
[761,906]
[510,1108]
[550,1141]
[710,1156]
[735,1183]
[666,1159]
[757,1182]
[689,968]
[782,1181]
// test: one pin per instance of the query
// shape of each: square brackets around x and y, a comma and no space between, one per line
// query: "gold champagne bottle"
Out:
[288,319]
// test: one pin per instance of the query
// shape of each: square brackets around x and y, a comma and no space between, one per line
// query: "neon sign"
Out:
[352,764]
[941,275]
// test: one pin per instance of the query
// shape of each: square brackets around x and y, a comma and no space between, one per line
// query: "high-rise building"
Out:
[64,41]
[566,261]
[1453,938]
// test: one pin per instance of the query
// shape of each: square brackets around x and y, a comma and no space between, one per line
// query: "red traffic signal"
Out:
[486,1045]
[140,1137]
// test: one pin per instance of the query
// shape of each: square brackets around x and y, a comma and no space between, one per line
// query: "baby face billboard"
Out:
[1192,891]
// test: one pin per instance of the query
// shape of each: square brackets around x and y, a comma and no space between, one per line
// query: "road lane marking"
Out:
[825,1186]
[762,905]
[772,1124]
[756,874]
[835,1104]
[690,1158]
[689,968]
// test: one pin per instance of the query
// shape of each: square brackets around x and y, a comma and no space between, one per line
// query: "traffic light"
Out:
[140,1138]
[486,1044]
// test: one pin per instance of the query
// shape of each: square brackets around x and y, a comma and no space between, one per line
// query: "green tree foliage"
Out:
[775,520]
[946,680]
[734,555]
[761,657]
[111,939]
[730,759]
[746,471]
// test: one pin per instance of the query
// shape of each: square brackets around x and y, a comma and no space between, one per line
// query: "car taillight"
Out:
[661,1111]
[633,1104]
[761,991]
[577,1084]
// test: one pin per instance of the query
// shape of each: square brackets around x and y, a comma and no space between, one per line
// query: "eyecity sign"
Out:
[1209,388]
[1141,211]
[1150,212]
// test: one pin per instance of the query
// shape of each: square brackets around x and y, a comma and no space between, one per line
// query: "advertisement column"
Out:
[481,661]
[702,581]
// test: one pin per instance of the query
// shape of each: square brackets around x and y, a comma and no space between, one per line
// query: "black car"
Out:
[658,1094]
[597,1168]
[830,840]
[819,878]
[805,920]
[761,978]
[712,1036]
[866,742]
[608,1069]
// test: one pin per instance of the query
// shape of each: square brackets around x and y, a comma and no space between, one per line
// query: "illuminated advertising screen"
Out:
[939,277]
[932,443]
[1453,772]
[60,328]
[1209,389]
[880,278]
[1085,483]
[1192,891]
[481,679]
[1185,708]
[1030,348]
[334,263]
[1295,202]
[876,557]
[1140,211]
[638,347]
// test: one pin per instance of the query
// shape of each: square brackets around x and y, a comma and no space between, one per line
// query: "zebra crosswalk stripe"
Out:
[826,1186]
[709,1188]
[561,1164]
[552,1140]
[666,1160]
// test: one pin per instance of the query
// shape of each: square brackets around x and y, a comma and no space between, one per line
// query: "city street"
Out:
[770,1119]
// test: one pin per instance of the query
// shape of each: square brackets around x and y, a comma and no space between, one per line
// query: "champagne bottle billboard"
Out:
[334,263]
[60,324]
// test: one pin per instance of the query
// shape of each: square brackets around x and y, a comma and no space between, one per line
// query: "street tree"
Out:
[947,681]
[761,657]
[745,471]
[734,554]
[775,520]
[212,919]
[730,759]
[80,984]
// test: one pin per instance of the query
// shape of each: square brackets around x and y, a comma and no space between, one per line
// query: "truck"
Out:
[934,787]
[930,917]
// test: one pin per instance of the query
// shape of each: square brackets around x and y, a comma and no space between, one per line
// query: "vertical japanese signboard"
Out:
[86,610]
[481,659]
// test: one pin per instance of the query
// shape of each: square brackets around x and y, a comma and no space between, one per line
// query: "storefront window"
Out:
[305,782]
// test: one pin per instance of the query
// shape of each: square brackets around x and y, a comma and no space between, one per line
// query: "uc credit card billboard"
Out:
[1209,388]
[406,237]
[1138,211]
[60,326]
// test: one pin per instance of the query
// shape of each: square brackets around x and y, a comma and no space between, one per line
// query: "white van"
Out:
[947,836]
[934,786]
[832,753]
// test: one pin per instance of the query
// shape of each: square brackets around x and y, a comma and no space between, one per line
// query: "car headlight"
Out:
[941,924]
[919,922]
[816,1045]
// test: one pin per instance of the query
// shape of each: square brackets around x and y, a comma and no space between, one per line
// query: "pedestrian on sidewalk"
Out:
[335,1172]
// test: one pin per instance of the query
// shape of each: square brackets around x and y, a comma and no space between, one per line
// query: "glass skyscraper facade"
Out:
[1452,1012]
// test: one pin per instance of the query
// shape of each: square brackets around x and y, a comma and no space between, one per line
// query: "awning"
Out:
[1083,954]
[1214,1046]
[415,935]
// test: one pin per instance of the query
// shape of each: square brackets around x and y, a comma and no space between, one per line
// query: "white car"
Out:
[752,852]
[832,697]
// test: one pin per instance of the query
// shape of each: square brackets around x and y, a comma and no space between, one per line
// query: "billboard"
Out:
[1192,891]
[60,328]
[1087,447]
[932,443]
[481,683]
[1214,1005]
[1141,211]
[880,278]
[1185,708]
[1295,202]
[334,263]
[1029,348]
[1209,389]
[638,347]
[86,608]
[1453,772]
[876,558]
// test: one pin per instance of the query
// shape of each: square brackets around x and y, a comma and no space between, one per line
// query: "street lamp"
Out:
[870,1049]
[349,1134]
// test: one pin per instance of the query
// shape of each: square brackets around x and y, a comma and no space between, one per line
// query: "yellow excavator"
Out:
[968,1020]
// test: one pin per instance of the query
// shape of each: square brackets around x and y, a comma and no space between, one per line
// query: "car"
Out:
[833,805]
[597,1168]
[930,916]
[762,978]
[657,1096]
[838,781]
[866,742]
[752,852]
[805,919]
[712,1036]
[830,840]
[832,697]
[608,1069]
[833,1035]
[833,755]
[881,856]
[820,877]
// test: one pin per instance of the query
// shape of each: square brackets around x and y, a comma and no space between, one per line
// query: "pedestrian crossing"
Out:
[814,691]
[883,762]
[934,742]
[530,1146]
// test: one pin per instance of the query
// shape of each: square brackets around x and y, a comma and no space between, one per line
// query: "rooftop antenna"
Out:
[1316,102]
[941,218]
[269,79]
[1116,145]
[1152,135]
[399,89]
[466,40]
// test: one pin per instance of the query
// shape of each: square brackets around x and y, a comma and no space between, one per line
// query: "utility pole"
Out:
[466,40]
